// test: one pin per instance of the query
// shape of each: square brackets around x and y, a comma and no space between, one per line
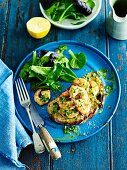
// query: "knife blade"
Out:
[44,134]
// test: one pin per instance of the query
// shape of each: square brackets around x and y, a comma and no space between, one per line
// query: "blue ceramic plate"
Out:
[96,61]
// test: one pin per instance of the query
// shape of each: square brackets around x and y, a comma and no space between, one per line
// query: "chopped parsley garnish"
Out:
[67,112]
[55,108]
[108,90]
[44,98]
[71,129]
[103,72]
[108,107]
[63,99]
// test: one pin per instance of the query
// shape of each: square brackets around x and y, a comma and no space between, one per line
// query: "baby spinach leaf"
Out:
[77,61]
[52,9]
[55,73]
[90,3]
[67,75]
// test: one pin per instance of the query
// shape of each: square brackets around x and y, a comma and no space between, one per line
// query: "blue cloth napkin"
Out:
[13,136]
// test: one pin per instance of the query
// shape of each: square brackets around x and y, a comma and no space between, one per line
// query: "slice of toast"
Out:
[79,102]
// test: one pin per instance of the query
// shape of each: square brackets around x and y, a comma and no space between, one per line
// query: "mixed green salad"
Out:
[46,69]
[60,10]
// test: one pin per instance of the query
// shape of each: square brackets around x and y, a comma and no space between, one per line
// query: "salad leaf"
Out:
[35,77]
[24,72]
[82,7]
[62,9]
[50,76]
[67,75]
[62,60]
[41,53]
[63,16]
[34,60]
[91,3]
[44,71]
[53,8]
[54,85]
[45,59]
[61,48]
[77,61]
[55,73]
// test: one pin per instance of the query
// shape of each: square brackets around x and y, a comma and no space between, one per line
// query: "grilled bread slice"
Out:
[79,102]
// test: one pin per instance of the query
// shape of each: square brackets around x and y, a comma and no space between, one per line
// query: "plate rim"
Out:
[91,48]
[73,27]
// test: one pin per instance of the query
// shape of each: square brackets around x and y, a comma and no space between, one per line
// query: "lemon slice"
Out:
[38,27]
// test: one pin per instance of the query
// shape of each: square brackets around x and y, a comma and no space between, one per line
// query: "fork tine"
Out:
[18,91]
[21,89]
[25,90]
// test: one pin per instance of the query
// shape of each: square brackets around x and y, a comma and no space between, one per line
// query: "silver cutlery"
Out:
[46,137]
[25,102]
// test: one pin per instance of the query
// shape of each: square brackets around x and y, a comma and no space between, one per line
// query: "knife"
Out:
[44,134]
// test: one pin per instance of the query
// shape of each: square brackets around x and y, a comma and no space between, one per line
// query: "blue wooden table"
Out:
[107,150]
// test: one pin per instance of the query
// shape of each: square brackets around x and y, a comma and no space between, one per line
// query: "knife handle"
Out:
[50,143]
[38,145]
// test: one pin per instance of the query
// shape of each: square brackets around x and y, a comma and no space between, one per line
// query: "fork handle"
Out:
[49,143]
[38,145]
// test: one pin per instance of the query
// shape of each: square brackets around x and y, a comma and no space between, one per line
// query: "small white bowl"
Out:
[67,23]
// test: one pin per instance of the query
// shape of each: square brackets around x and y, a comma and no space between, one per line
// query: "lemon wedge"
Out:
[38,27]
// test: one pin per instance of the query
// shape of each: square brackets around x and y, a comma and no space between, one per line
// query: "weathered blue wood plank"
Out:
[118,55]
[90,154]
[4,14]
[34,161]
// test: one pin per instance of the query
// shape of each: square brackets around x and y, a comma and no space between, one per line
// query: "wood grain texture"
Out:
[119,122]
[34,161]
[90,154]
[4,14]
[117,51]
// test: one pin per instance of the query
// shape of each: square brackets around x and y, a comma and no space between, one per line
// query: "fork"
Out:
[25,102]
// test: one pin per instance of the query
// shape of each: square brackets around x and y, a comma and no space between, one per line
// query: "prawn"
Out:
[42,97]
